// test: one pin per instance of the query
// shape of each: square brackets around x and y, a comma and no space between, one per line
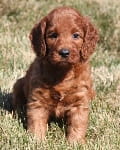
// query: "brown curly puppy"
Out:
[58,82]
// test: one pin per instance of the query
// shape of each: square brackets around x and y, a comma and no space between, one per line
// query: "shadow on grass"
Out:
[6,104]
[5,101]
[61,122]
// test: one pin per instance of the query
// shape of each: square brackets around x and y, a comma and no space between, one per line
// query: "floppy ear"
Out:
[37,37]
[90,39]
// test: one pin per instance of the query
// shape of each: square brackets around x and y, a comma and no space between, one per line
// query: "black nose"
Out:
[64,53]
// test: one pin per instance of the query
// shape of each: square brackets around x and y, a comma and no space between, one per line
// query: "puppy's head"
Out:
[64,37]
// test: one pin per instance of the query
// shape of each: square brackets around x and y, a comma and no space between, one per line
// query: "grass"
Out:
[16,20]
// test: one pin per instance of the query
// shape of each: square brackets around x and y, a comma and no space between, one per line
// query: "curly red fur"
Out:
[58,82]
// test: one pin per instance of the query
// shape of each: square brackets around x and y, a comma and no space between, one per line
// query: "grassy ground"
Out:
[16,20]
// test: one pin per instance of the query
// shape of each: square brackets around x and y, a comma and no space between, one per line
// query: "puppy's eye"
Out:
[76,36]
[53,35]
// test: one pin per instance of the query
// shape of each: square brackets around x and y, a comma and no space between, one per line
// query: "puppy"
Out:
[58,82]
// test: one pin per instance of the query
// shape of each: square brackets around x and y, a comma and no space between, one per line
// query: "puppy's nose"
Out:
[64,53]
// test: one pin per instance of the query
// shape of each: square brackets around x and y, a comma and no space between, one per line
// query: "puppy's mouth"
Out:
[64,57]
[64,63]
[60,61]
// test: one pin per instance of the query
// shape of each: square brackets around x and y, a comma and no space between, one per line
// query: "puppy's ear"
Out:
[37,38]
[90,39]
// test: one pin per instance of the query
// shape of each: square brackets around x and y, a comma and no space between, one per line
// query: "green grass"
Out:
[17,17]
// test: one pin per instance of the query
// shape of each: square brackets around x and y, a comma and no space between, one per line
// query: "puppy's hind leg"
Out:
[18,100]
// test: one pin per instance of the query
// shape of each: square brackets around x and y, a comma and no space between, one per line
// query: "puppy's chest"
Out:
[62,90]
[57,93]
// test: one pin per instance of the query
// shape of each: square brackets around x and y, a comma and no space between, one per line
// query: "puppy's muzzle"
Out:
[64,53]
